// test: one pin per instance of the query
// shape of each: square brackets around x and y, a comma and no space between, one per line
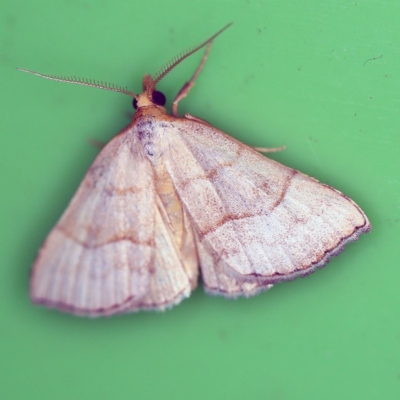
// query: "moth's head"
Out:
[150,96]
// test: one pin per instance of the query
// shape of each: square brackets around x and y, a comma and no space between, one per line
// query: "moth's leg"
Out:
[269,149]
[188,85]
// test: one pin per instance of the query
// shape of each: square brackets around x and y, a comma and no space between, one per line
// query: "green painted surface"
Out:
[321,77]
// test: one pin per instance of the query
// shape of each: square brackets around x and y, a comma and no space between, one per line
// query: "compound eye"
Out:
[158,98]
[134,103]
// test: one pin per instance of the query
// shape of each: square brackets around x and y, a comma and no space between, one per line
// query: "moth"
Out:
[169,197]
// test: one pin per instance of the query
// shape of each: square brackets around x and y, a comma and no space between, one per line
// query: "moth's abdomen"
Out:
[172,205]
[178,222]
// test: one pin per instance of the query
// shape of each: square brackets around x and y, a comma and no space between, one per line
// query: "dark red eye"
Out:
[158,98]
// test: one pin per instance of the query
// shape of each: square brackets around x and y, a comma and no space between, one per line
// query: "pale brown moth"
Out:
[169,196]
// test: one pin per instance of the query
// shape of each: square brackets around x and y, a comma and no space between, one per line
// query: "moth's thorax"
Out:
[150,109]
[150,126]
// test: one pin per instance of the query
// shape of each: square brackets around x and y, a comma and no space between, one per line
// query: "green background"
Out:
[323,78]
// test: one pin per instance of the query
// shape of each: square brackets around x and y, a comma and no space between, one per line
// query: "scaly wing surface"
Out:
[112,250]
[256,221]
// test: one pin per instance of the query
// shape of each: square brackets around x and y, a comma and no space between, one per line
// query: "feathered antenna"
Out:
[84,82]
[180,57]
[115,88]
